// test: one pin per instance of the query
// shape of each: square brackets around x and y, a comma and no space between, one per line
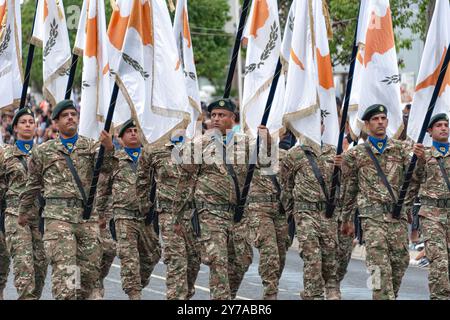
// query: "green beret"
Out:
[128,124]
[61,106]
[225,104]
[436,118]
[21,112]
[373,110]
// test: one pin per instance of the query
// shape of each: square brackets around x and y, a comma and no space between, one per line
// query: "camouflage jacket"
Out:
[13,178]
[118,190]
[175,182]
[432,183]
[214,184]
[49,173]
[263,193]
[363,187]
[298,180]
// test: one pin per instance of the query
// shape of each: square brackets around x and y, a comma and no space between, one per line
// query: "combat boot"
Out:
[134,295]
[96,294]
[270,297]
[332,294]
[1,294]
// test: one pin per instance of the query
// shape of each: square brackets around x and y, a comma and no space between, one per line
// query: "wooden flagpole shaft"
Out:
[30,57]
[426,121]
[73,68]
[336,172]
[237,45]
[101,154]
[251,167]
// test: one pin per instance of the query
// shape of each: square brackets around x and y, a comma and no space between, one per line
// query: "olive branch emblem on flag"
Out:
[267,50]
[6,38]
[52,39]
[392,79]
[135,65]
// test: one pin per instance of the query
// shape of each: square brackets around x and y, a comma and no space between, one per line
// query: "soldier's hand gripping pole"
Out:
[426,121]
[336,172]
[101,154]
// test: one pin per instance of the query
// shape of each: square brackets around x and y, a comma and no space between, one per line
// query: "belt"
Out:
[379,207]
[169,205]
[438,203]
[221,207]
[313,206]
[265,198]
[126,212]
[67,202]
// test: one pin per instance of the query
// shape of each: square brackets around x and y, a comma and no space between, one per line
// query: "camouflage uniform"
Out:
[24,244]
[175,188]
[4,264]
[317,235]
[269,229]
[344,247]
[71,244]
[386,238]
[435,223]
[225,245]
[107,242]
[137,244]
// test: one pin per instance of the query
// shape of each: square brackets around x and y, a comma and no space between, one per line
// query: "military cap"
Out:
[373,110]
[226,104]
[21,112]
[61,106]
[436,118]
[128,124]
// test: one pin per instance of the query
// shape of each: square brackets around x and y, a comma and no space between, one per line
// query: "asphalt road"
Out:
[354,286]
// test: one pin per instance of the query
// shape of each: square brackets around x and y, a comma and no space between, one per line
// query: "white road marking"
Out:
[164,279]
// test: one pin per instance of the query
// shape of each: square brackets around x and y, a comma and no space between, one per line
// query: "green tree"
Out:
[207,19]
[72,10]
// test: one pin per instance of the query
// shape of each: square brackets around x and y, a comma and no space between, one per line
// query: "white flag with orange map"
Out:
[91,44]
[11,74]
[150,73]
[435,49]
[310,92]
[376,79]
[183,39]
[263,39]
[50,33]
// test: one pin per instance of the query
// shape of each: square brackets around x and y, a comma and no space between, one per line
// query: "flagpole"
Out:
[251,168]
[73,68]
[426,121]
[30,57]
[335,178]
[237,45]
[101,154]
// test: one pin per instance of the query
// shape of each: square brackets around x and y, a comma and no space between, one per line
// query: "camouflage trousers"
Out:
[269,231]
[226,250]
[437,247]
[343,255]
[108,247]
[74,252]
[27,252]
[387,256]
[317,238]
[139,251]
[181,253]
[4,262]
